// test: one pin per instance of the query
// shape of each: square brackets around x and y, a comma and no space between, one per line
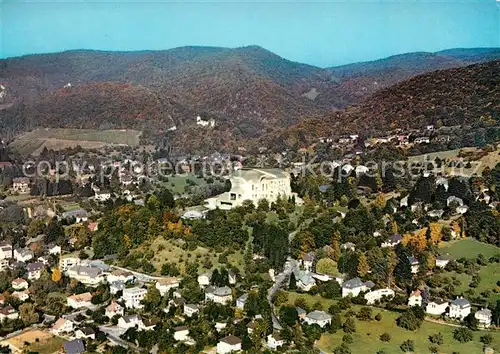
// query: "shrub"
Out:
[347,338]
[385,337]
[462,335]
[378,317]
[433,349]
[486,339]
[436,338]
[349,325]
[407,346]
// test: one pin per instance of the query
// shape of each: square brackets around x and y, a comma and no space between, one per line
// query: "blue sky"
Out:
[321,33]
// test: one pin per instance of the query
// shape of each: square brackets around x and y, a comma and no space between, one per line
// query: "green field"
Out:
[34,142]
[468,248]
[177,183]
[366,338]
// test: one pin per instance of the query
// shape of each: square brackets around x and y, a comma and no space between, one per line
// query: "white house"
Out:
[102,196]
[8,312]
[133,297]
[442,261]
[307,261]
[68,261]
[228,344]
[240,302]
[5,251]
[54,249]
[274,341]
[254,185]
[21,295]
[437,307]
[114,309]
[91,276]
[204,279]
[181,333]
[392,241]
[80,300]
[305,281]
[130,321]
[191,309]
[19,284]
[414,264]
[165,284]
[23,255]
[484,317]
[376,295]
[34,270]
[452,199]
[120,275]
[21,185]
[320,318]
[85,333]
[62,325]
[220,295]
[116,286]
[415,298]
[459,308]
[355,286]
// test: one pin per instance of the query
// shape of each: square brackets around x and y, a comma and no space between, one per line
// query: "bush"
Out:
[365,314]
[378,317]
[486,339]
[347,338]
[385,337]
[407,346]
[436,338]
[462,335]
[433,349]
[349,325]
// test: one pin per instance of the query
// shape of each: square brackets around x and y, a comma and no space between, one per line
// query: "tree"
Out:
[280,297]
[336,246]
[380,201]
[327,266]
[28,314]
[462,335]
[56,275]
[365,314]
[342,349]
[152,299]
[292,285]
[263,205]
[363,267]
[349,325]
[486,339]
[408,320]
[288,315]
[385,337]
[392,262]
[471,322]
[407,346]
[436,338]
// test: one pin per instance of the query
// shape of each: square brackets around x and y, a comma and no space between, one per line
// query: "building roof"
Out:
[439,301]
[416,293]
[87,331]
[18,281]
[59,323]
[167,281]
[254,174]
[92,272]
[181,328]
[461,302]
[231,340]
[300,311]
[32,267]
[319,315]
[484,312]
[132,318]
[75,346]
[353,283]
[222,291]
[81,297]
[113,307]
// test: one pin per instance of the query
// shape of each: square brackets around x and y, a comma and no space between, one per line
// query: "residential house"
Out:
[77,301]
[436,213]
[437,307]
[76,346]
[148,325]
[5,251]
[376,295]
[321,318]
[204,279]
[422,140]
[23,255]
[8,312]
[165,284]
[220,295]
[90,276]
[274,341]
[307,261]
[130,321]
[34,270]
[461,209]
[54,249]
[459,308]
[21,185]
[133,297]
[19,284]
[191,309]
[355,286]
[181,333]
[114,309]
[68,261]
[392,241]
[219,326]
[102,196]
[454,200]
[228,344]
[301,313]
[415,298]
[305,281]
[123,276]
[348,246]
[85,333]
[116,286]
[80,215]
[414,264]
[21,295]
[62,325]
[484,317]
[442,261]
[240,302]
[232,277]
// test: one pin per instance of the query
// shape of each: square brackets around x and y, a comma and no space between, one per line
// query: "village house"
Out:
[68,261]
[102,196]
[21,295]
[91,276]
[62,325]
[21,185]
[5,251]
[191,309]
[376,295]
[459,308]
[204,279]
[133,297]
[442,261]
[307,261]
[301,313]
[436,213]
[34,270]
[274,341]
[54,249]
[116,286]
[348,246]
[181,333]
[240,302]
[305,281]
[120,275]
[414,264]
[484,317]
[415,298]
[130,321]
[392,241]
[79,215]
[77,301]
[437,307]
[165,284]
[229,344]
[19,284]
[320,318]
[8,312]
[355,286]
[23,255]
[113,309]
[422,140]
[220,295]
[85,333]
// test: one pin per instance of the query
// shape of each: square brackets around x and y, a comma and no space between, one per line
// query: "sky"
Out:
[322,33]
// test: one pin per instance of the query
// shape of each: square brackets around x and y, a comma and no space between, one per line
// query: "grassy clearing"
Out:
[171,251]
[178,183]
[46,344]
[468,248]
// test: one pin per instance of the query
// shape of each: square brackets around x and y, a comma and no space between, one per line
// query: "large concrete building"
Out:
[253,185]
